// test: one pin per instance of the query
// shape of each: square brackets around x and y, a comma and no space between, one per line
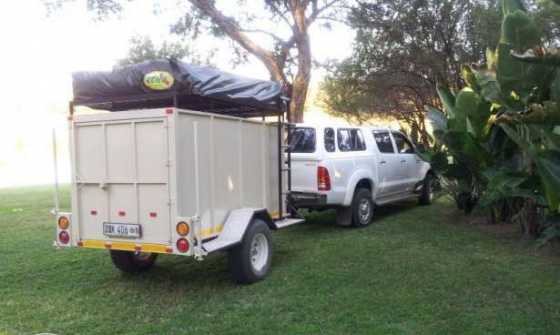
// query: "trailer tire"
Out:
[362,208]
[250,261]
[132,262]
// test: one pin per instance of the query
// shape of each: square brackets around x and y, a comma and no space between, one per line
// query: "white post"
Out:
[55,160]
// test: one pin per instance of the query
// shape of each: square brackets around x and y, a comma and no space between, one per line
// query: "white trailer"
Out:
[172,181]
[180,182]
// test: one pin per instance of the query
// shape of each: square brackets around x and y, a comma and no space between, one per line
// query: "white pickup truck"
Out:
[353,169]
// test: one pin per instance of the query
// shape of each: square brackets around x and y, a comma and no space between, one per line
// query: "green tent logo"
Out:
[159,80]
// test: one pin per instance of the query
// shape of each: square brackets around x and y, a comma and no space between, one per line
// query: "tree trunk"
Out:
[300,85]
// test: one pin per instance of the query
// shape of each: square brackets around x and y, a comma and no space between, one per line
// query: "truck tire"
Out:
[250,261]
[427,195]
[344,216]
[362,208]
[132,262]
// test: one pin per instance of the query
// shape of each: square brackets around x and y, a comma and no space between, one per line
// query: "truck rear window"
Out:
[303,140]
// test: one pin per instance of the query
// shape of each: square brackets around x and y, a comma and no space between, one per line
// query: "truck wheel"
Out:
[133,262]
[250,261]
[362,208]
[427,195]
[344,216]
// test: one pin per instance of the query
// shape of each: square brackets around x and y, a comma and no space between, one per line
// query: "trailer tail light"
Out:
[182,245]
[63,222]
[323,179]
[183,228]
[64,237]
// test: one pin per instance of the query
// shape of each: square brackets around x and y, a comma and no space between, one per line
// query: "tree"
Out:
[291,52]
[142,48]
[402,49]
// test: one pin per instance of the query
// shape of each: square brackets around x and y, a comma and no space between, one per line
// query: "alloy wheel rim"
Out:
[364,211]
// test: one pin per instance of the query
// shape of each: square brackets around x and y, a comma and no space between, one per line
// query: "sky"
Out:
[39,53]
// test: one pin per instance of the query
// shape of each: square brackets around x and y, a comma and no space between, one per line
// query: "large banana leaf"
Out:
[539,56]
[520,31]
[547,163]
[510,6]
[548,166]
[436,119]
[448,99]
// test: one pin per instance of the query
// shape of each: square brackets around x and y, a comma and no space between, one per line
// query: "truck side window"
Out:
[351,140]
[383,141]
[403,144]
[329,140]
[303,140]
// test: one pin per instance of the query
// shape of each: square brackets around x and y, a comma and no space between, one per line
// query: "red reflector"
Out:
[169,111]
[122,213]
[93,212]
[182,245]
[323,179]
[153,215]
[64,237]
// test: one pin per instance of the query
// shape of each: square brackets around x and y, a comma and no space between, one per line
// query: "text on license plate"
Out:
[122,230]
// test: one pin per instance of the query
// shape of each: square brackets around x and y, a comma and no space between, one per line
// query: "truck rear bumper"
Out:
[308,200]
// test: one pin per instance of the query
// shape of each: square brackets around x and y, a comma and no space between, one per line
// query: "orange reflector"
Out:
[108,245]
[138,248]
[169,250]
[63,222]
[80,244]
[182,228]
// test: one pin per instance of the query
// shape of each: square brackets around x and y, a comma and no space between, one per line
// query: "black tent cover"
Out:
[200,88]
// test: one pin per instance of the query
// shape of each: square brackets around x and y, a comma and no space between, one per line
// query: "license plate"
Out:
[125,230]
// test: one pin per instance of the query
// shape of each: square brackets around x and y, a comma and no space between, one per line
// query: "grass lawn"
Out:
[416,271]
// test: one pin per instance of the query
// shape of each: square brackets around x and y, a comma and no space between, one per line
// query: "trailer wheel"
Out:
[362,208]
[250,261]
[427,195]
[132,262]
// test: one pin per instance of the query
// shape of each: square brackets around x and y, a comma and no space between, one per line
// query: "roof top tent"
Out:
[186,164]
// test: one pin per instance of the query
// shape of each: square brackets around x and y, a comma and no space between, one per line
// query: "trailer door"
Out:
[122,180]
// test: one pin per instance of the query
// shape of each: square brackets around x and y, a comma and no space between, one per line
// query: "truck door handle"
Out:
[403,161]
[383,162]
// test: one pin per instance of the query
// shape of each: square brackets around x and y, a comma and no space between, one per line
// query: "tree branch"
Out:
[232,29]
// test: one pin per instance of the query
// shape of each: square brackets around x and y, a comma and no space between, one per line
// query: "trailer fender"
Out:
[235,227]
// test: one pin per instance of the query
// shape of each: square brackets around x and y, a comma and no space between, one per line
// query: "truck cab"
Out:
[355,168]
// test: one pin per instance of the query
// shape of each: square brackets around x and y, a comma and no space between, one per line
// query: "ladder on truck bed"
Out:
[285,166]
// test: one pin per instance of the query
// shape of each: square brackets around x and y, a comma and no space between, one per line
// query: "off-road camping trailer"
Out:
[195,174]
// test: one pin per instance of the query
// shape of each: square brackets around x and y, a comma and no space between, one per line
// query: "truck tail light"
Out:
[323,179]
[182,245]
[64,237]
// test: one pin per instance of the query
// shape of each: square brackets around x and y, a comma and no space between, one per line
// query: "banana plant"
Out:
[502,130]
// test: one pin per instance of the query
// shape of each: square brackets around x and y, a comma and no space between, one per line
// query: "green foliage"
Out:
[142,48]
[501,128]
